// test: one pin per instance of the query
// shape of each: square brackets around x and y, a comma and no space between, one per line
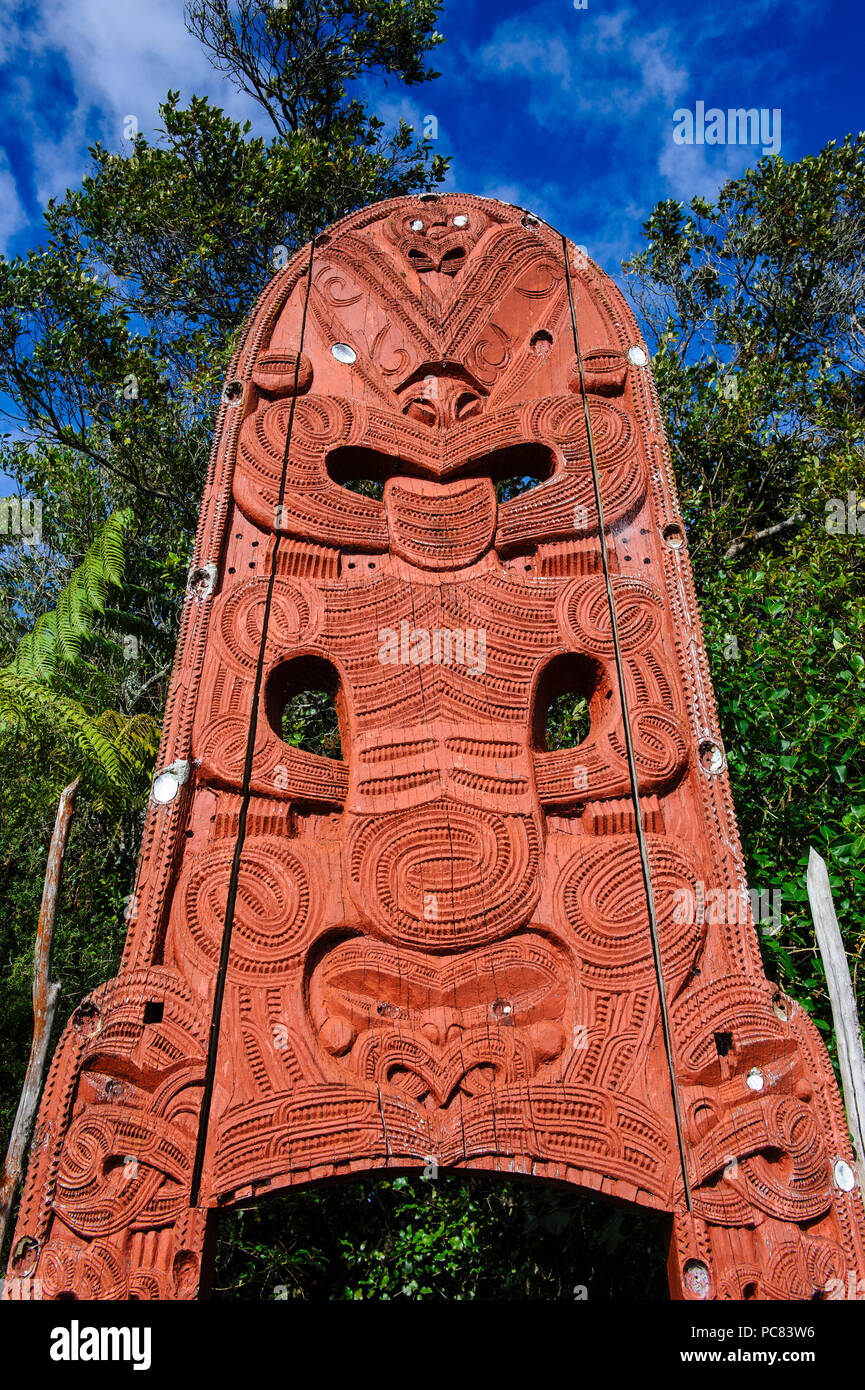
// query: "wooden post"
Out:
[844,1015]
[45,994]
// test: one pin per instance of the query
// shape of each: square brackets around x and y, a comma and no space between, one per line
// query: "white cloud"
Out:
[695,171]
[724,21]
[526,50]
[661,73]
[394,109]
[506,193]
[609,30]
[597,66]
[611,81]
[121,60]
[13,217]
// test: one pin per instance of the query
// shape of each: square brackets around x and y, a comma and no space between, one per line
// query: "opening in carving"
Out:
[153,1011]
[568,720]
[563,713]
[519,469]
[363,471]
[513,471]
[365,487]
[403,1237]
[723,1043]
[303,702]
[541,343]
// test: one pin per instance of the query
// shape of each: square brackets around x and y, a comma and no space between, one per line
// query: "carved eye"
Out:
[461,220]
[421,410]
[467,404]
[417,225]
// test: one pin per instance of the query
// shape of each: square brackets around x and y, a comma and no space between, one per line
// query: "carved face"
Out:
[437,237]
[432,1027]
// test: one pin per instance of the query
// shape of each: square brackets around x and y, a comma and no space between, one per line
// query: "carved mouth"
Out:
[469,1067]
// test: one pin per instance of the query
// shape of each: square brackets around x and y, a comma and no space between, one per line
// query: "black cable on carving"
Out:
[246,792]
[632,766]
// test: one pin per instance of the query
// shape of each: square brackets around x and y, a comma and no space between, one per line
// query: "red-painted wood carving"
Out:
[449,944]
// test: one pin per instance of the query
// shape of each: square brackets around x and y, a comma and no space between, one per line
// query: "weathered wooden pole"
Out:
[844,1014]
[45,994]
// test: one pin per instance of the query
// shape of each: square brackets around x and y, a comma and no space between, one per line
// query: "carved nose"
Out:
[440,1025]
[443,403]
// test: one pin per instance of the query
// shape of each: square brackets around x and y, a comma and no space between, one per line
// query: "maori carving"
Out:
[449,942]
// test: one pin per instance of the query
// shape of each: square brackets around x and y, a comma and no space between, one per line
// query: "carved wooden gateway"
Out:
[449,943]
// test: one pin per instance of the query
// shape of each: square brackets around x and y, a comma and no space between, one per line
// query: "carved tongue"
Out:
[440,525]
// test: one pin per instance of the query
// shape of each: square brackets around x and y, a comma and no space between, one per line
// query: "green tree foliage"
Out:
[755,306]
[299,60]
[568,721]
[440,1237]
[108,750]
[57,635]
[310,722]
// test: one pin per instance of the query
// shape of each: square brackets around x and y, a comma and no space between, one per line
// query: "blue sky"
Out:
[566,111]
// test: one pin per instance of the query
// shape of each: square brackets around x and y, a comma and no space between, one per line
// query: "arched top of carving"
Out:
[429,274]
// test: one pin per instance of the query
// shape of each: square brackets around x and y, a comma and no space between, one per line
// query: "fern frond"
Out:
[112,753]
[29,707]
[36,656]
[58,636]
[135,738]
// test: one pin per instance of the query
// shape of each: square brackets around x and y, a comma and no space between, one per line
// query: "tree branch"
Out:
[756,537]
